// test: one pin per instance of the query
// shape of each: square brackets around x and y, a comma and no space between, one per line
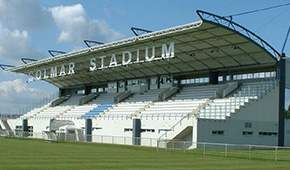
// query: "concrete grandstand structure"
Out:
[207,81]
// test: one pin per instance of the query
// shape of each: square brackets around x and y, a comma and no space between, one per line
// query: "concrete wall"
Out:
[287,133]
[116,127]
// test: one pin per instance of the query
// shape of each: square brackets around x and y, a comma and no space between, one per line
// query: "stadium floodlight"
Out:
[5,66]
[139,31]
[55,53]
[27,60]
[91,43]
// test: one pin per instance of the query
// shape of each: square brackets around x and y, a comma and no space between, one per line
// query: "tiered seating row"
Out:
[104,98]
[34,112]
[126,108]
[97,110]
[221,108]
[255,89]
[173,107]
[150,95]
[77,111]
[196,92]
[72,101]
[53,112]
[183,103]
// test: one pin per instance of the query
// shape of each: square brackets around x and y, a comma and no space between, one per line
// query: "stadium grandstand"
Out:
[207,81]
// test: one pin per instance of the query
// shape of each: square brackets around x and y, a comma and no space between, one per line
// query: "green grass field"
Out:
[37,154]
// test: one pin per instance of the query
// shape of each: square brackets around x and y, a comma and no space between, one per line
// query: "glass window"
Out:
[153,80]
[121,84]
[94,90]
[112,85]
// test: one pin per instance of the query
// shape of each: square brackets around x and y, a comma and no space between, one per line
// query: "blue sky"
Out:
[29,28]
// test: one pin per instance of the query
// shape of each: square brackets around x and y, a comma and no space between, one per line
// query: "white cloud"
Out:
[14,45]
[17,19]
[16,94]
[76,26]
[25,15]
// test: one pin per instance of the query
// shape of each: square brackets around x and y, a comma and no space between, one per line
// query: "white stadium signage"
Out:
[52,72]
[127,58]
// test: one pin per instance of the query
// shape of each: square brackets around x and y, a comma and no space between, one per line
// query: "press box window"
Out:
[218,132]
[248,133]
[128,130]
[268,133]
[148,130]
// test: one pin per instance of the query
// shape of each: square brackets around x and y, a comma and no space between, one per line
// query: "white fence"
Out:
[202,148]
[228,150]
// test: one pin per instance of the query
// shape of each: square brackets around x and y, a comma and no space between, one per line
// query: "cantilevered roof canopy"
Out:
[213,44]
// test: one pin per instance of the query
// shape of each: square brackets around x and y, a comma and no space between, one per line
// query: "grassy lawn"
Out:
[37,154]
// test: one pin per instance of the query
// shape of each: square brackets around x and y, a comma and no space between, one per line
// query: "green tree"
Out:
[287,113]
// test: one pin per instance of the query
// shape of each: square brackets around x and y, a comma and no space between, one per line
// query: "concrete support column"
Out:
[61,92]
[214,77]
[281,75]
[178,82]
[148,83]
[88,90]
[126,85]
[88,130]
[118,84]
[136,131]
[25,127]
[158,82]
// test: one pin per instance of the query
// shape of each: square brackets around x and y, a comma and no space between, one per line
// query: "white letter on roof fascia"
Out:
[137,55]
[62,70]
[168,52]
[93,63]
[31,78]
[153,54]
[113,61]
[53,72]
[71,67]
[38,75]
[45,76]
[102,61]
[129,54]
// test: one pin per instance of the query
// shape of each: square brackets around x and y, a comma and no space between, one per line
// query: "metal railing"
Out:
[228,150]
[38,104]
[186,117]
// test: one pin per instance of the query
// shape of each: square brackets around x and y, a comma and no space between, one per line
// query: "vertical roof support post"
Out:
[281,118]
